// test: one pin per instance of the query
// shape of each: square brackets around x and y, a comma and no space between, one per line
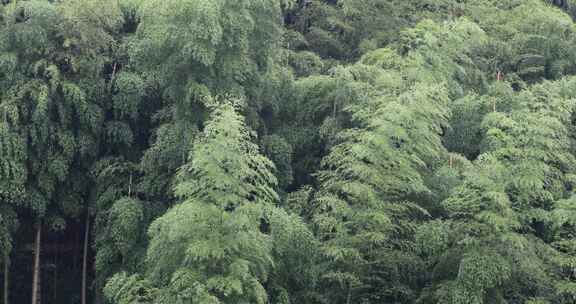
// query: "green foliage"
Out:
[280,152]
[210,248]
[504,206]
[51,123]
[125,289]
[379,151]
[8,225]
[174,36]
[227,168]
[297,260]
[362,211]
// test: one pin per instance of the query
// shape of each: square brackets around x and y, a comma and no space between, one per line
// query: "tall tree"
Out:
[498,241]
[54,53]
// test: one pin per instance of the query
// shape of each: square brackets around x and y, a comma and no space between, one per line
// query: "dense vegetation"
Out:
[288,151]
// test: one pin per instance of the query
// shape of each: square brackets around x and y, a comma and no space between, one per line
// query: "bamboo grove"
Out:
[287,151]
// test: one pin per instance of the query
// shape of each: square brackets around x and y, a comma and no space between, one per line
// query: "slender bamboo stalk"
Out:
[6,278]
[85,258]
[36,274]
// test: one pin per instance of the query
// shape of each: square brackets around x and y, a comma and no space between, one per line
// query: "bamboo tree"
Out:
[6,293]
[85,258]
[374,151]
[36,283]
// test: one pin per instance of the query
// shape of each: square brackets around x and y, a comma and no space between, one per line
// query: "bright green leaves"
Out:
[296,254]
[482,197]
[479,271]
[125,289]
[226,168]
[432,238]
[534,142]
[212,245]
[434,170]
[503,211]
[443,54]
[187,51]
[483,270]
[361,212]
[221,243]
[565,212]
[223,251]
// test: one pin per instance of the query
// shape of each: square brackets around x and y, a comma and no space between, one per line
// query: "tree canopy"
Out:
[288,151]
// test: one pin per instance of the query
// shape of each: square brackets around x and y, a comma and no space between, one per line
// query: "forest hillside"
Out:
[287,152]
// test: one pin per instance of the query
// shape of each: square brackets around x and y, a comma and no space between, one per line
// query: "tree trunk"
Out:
[55,293]
[85,258]
[36,271]
[6,278]
[349,296]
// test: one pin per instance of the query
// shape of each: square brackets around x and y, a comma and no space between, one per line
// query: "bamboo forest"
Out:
[287,152]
